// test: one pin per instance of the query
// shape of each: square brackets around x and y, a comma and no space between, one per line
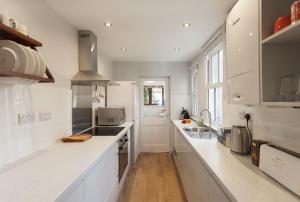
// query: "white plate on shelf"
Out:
[21,61]
[8,59]
[33,67]
[18,56]
[43,65]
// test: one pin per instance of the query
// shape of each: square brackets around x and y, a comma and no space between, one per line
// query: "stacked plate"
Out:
[18,58]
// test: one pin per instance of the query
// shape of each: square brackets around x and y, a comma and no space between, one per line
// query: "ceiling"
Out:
[150,30]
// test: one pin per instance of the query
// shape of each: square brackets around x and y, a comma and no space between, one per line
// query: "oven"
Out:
[123,155]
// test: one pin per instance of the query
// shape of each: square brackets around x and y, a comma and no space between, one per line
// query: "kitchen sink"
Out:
[200,133]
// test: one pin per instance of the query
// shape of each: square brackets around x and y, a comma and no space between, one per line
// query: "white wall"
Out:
[178,73]
[105,65]
[60,49]
[278,126]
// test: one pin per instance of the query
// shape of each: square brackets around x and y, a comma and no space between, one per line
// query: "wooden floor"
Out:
[153,179]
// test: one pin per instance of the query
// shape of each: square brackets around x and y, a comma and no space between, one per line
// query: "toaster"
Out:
[282,165]
[111,116]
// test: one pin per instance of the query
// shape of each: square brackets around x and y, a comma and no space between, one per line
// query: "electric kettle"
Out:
[240,140]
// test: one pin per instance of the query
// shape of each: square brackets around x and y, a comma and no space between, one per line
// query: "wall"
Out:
[105,65]
[178,73]
[60,50]
[280,126]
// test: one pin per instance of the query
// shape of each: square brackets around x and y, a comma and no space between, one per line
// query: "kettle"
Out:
[240,140]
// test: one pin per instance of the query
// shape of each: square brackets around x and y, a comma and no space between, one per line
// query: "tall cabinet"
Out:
[242,52]
[262,67]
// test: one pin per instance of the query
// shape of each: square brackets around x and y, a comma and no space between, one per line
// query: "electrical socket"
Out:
[242,114]
[26,118]
[43,116]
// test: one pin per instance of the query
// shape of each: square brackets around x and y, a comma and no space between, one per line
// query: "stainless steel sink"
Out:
[200,133]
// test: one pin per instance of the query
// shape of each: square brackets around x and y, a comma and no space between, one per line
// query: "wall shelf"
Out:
[7,33]
[290,34]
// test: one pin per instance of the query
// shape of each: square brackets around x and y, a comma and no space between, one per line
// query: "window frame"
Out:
[220,84]
[195,90]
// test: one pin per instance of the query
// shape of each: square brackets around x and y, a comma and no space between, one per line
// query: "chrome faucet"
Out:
[209,116]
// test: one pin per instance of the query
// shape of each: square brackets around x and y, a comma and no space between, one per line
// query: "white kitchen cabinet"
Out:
[242,53]
[244,88]
[100,181]
[197,182]
[193,174]
[76,195]
[242,38]
[216,194]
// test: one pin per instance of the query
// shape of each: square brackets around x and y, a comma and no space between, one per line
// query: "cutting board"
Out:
[77,138]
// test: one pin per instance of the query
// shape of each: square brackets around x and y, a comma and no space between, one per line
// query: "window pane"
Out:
[157,96]
[215,68]
[221,65]
[153,94]
[211,102]
[219,105]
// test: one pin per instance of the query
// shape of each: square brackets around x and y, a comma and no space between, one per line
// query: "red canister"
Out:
[281,23]
[295,11]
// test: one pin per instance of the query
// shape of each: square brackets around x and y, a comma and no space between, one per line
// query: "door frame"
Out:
[141,105]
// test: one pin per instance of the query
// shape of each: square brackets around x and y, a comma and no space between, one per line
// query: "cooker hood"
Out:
[87,53]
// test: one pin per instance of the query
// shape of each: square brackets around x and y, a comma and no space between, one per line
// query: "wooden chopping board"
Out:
[77,138]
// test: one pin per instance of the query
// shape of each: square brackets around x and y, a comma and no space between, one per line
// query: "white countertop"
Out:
[46,175]
[240,179]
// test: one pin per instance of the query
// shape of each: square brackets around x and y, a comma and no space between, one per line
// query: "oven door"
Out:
[123,158]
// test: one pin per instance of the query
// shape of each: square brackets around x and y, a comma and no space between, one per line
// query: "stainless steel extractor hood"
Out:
[88,75]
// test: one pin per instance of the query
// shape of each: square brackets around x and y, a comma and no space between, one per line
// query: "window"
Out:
[215,67]
[153,94]
[194,86]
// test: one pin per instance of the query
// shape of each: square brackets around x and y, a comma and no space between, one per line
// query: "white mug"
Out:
[5,20]
[13,24]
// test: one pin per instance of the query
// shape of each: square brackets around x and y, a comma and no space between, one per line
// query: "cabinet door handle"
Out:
[237,97]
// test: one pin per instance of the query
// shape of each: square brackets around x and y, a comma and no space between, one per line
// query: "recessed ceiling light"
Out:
[186,25]
[107,24]
[123,49]
[176,49]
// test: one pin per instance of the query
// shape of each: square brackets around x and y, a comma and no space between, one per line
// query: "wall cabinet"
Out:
[242,53]
[262,66]
[198,184]
[244,88]
[100,184]
[280,59]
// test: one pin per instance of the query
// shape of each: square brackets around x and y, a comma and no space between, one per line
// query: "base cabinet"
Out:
[76,195]
[100,183]
[197,182]
[216,194]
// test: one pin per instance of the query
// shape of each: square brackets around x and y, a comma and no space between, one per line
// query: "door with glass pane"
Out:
[154,114]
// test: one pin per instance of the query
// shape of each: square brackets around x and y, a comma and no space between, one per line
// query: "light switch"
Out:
[44,116]
[26,118]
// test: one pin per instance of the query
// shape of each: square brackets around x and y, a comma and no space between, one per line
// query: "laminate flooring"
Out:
[152,179]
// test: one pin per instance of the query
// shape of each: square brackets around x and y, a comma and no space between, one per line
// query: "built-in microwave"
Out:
[111,116]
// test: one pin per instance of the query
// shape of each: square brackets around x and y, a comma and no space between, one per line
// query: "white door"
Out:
[154,112]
